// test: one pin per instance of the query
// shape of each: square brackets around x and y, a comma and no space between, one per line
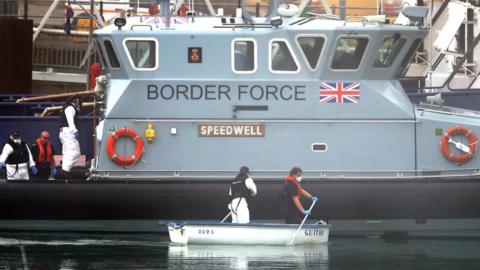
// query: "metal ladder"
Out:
[444,39]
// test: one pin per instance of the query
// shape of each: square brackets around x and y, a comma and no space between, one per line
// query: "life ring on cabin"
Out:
[125,161]
[467,152]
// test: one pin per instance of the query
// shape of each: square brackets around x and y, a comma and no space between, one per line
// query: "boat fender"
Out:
[467,152]
[287,10]
[125,161]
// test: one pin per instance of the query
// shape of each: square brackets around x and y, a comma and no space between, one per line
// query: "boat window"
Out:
[349,52]
[142,53]
[281,58]
[391,47]
[244,56]
[99,51]
[114,63]
[319,147]
[311,48]
[410,53]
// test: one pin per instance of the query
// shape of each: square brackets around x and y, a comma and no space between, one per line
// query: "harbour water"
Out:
[153,251]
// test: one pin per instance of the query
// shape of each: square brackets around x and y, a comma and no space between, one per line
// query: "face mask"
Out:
[299,179]
[17,141]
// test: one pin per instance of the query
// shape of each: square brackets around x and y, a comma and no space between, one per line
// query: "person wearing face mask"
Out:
[69,135]
[292,193]
[241,189]
[16,156]
[43,151]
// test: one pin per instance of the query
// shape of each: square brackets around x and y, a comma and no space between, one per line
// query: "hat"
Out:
[45,134]
[73,99]
[244,170]
[15,134]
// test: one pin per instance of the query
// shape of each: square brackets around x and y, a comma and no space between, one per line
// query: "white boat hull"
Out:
[246,234]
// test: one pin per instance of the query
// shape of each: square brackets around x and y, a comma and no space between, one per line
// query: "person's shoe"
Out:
[61,174]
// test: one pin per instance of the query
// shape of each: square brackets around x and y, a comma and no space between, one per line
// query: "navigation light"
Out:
[120,22]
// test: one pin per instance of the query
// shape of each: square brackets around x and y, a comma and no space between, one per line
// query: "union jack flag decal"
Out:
[340,92]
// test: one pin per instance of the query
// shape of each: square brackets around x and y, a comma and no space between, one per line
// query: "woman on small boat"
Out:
[241,189]
[292,193]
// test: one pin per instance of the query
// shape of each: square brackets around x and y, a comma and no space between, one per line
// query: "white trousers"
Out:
[70,149]
[17,174]
[239,209]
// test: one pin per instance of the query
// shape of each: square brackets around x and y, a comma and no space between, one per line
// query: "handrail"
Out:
[459,64]
[474,80]
[355,19]
[48,111]
[457,67]
[440,11]
[147,174]
[58,96]
[141,25]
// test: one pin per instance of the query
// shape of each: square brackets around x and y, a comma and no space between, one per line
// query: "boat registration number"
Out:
[206,231]
[313,232]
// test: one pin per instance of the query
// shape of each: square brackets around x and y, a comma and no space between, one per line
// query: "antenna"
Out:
[273,9]
[246,15]
[165,11]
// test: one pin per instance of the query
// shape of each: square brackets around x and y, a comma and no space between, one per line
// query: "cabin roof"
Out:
[214,43]
[203,24]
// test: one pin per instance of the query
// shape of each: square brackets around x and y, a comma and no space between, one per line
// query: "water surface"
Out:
[153,251]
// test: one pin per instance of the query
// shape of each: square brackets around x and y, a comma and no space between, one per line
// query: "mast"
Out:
[89,63]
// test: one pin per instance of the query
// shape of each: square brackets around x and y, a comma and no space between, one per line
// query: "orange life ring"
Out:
[446,139]
[125,161]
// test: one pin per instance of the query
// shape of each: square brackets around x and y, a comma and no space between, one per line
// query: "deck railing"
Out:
[61,56]
[28,9]
[57,57]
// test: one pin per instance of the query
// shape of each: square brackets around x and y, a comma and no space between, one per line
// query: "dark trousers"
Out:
[293,217]
[43,173]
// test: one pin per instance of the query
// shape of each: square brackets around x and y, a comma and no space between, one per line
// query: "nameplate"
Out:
[231,130]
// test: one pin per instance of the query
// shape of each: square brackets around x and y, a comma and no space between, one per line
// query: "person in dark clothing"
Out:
[292,193]
[17,158]
[241,189]
[43,152]
[69,135]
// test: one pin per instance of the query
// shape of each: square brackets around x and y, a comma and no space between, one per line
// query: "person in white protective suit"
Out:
[69,135]
[16,156]
[241,189]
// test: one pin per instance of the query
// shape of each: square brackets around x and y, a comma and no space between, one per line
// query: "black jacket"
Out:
[63,117]
[19,154]
[238,187]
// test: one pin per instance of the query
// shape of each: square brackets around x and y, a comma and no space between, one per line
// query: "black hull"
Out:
[24,205]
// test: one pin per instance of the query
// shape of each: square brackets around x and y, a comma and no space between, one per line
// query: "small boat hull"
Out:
[246,234]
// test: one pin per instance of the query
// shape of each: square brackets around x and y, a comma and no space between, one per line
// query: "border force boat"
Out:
[191,99]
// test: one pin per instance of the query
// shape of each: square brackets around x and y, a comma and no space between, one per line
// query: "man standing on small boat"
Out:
[16,156]
[292,192]
[69,135]
[241,189]
[43,152]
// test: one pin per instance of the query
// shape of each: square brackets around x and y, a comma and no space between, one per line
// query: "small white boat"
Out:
[247,234]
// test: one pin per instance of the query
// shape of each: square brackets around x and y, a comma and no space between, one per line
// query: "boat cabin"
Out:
[270,93]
